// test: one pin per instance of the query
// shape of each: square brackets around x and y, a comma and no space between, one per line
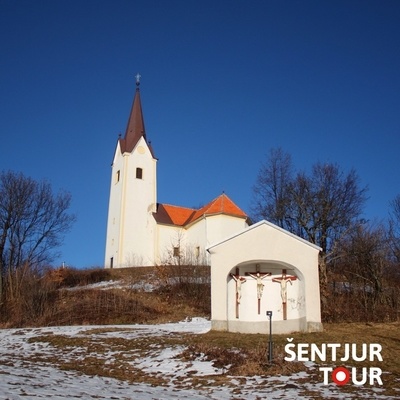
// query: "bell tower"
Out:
[131,227]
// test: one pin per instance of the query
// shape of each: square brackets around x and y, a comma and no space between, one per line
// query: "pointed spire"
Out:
[135,127]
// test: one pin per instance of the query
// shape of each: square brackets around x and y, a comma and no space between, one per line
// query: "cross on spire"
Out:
[138,76]
[135,128]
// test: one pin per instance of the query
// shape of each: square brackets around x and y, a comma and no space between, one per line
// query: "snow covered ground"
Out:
[26,371]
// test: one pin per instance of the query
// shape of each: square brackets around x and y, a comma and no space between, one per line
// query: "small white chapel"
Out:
[261,269]
[256,270]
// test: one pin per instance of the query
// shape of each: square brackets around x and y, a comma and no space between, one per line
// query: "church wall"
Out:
[133,201]
[137,247]
[168,237]
[221,226]
[194,240]
[114,210]
[197,240]
[191,243]
[211,229]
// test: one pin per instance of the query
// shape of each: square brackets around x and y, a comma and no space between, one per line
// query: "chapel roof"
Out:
[259,225]
[183,216]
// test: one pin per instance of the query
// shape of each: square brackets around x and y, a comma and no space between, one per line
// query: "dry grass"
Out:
[171,300]
[236,354]
[247,353]
[92,356]
[175,300]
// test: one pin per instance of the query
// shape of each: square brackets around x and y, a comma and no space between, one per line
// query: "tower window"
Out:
[139,173]
[117,176]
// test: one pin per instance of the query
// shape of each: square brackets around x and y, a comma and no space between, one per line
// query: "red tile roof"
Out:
[182,216]
[173,215]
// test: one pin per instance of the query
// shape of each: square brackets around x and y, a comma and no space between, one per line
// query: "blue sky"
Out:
[222,83]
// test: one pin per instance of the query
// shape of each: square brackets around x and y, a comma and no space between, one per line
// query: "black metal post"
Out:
[269,315]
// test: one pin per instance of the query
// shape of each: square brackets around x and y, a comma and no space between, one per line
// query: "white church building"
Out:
[255,269]
[143,232]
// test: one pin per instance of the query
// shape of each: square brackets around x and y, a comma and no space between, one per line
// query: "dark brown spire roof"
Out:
[135,128]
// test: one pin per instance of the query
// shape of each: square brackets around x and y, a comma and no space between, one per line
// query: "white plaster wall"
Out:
[197,237]
[265,243]
[211,229]
[114,212]
[221,226]
[134,200]
[168,236]
[199,234]
[187,239]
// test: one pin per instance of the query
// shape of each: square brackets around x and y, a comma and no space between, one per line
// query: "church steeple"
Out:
[135,127]
[131,227]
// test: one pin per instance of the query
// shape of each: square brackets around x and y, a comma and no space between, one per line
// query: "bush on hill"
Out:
[67,296]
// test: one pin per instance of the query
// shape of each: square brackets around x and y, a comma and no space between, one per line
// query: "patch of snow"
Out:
[119,284]
[22,378]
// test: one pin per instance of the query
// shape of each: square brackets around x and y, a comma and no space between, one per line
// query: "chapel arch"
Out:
[255,286]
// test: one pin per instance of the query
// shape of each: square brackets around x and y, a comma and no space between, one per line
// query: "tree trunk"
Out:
[323,284]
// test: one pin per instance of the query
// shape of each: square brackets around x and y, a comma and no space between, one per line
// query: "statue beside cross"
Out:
[259,277]
[239,280]
[283,281]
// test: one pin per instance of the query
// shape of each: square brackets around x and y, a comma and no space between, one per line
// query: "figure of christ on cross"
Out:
[283,280]
[259,276]
[239,280]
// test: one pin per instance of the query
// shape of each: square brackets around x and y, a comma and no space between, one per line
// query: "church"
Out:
[143,232]
[257,270]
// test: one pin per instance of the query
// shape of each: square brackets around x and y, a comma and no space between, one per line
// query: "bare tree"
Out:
[325,205]
[364,272]
[33,222]
[394,227]
[271,198]
[319,207]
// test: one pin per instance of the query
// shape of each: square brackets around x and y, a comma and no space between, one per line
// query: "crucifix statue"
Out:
[239,280]
[259,277]
[284,280]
